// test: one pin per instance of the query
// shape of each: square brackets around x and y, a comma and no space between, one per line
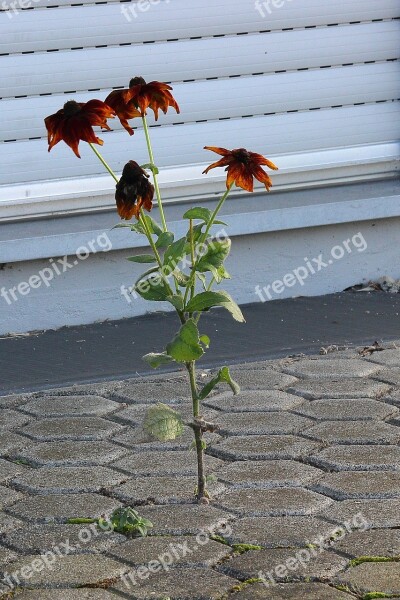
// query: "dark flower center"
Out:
[136,81]
[71,108]
[242,155]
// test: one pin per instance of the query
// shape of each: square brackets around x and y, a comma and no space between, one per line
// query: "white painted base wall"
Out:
[90,291]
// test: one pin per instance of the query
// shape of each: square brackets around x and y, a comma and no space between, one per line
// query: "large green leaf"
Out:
[143,258]
[152,287]
[186,346]
[222,376]
[215,255]
[202,214]
[163,423]
[155,359]
[165,239]
[206,300]
[176,301]
[153,226]
[174,253]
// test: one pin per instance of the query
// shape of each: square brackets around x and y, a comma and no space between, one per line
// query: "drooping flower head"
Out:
[242,167]
[135,101]
[133,191]
[75,121]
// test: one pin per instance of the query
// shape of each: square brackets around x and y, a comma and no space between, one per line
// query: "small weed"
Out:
[125,520]
[373,559]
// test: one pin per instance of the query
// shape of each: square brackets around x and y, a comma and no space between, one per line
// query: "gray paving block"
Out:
[292,591]
[70,406]
[162,490]
[254,401]
[142,464]
[67,571]
[259,423]
[8,496]
[354,432]
[72,428]
[178,551]
[58,509]
[135,414]
[135,438]
[6,556]
[352,409]
[67,594]
[390,376]
[181,519]
[187,584]
[9,469]
[68,480]
[12,400]
[359,458]
[268,474]
[321,368]
[11,419]
[72,454]
[273,502]
[8,523]
[265,447]
[283,564]
[377,513]
[359,484]
[167,389]
[102,388]
[340,388]
[261,379]
[10,441]
[373,542]
[388,358]
[373,577]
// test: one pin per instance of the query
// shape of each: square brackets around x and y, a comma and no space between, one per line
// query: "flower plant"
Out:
[184,271]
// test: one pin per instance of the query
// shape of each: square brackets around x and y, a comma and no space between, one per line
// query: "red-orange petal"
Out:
[221,151]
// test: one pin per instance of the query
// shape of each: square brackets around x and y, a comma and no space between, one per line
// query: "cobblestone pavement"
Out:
[305,491]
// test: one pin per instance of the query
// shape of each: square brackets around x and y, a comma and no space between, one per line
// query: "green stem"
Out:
[193,257]
[155,178]
[103,162]
[198,434]
[215,213]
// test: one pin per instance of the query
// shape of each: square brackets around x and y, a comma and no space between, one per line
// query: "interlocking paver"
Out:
[9,469]
[11,419]
[375,542]
[12,400]
[292,591]
[72,454]
[376,513]
[359,484]
[74,428]
[69,480]
[70,406]
[272,502]
[8,523]
[268,474]
[142,464]
[353,409]
[6,556]
[321,368]
[166,389]
[389,357]
[58,509]
[390,376]
[181,519]
[381,577]
[8,496]
[354,432]
[264,447]
[258,423]
[140,441]
[349,388]
[68,594]
[254,401]
[10,441]
[266,379]
[162,490]
[359,458]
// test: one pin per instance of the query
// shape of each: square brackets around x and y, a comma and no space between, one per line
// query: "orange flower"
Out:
[133,191]
[140,96]
[242,167]
[75,122]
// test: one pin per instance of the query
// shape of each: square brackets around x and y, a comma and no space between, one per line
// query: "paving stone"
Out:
[8,523]
[80,594]
[320,368]
[169,390]
[162,490]
[354,432]
[6,556]
[359,484]
[73,454]
[268,474]
[254,401]
[181,519]
[187,584]
[136,413]
[11,419]
[377,513]
[142,464]
[8,496]
[373,577]
[69,480]
[274,502]
[256,423]
[183,551]
[375,542]
[50,509]
[12,400]
[87,428]
[388,358]
[265,379]
[349,388]
[353,409]
[292,591]
[137,439]
[70,539]
[70,571]
[264,447]
[101,388]
[283,564]
[359,458]
[8,470]
[392,376]
[70,406]
[10,441]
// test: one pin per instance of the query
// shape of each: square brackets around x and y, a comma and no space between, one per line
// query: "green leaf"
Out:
[205,340]
[150,167]
[186,344]
[165,239]
[153,226]
[155,359]
[206,300]
[163,423]
[152,287]
[174,253]
[181,278]
[223,375]
[143,258]
[215,255]
[176,301]
[203,214]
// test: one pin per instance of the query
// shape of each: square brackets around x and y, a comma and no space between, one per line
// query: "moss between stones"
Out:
[373,559]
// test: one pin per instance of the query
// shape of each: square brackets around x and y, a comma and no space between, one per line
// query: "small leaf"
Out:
[185,346]
[153,226]
[174,253]
[163,423]
[176,301]
[143,258]
[153,288]
[203,214]
[181,278]
[206,300]
[223,375]
[215,255]
[205,340]
[150,167]
[155,359]
[165,239]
